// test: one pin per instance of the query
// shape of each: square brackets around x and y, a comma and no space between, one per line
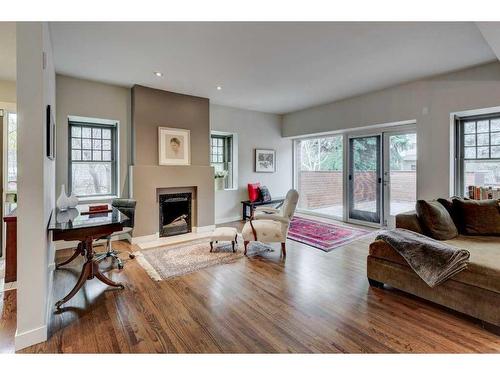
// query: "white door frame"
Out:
[385,131]
[397,126]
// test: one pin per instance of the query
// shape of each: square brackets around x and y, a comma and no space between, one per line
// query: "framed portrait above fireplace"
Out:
[174,146]
[265,161]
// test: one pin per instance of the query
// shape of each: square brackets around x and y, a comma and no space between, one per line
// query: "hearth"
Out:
[175,214]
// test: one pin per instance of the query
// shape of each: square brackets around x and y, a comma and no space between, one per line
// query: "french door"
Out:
[365,178]
[382,176]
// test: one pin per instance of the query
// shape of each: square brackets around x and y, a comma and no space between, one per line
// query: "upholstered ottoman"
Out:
[224,234]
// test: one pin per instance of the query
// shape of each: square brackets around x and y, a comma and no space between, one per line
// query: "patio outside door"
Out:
[365,178]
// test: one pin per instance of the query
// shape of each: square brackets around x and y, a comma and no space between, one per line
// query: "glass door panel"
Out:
[319,176]
[365,178]
[400,174]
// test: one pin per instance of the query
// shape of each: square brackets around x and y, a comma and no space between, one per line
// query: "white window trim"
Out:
[235,156]
[118,152]
[453,140]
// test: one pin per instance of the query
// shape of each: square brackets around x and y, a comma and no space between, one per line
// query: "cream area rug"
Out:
[165,262]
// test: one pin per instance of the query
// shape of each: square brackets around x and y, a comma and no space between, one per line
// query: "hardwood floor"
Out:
[310,302]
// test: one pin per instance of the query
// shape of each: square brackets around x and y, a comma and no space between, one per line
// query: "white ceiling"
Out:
[270,67]
[8,51]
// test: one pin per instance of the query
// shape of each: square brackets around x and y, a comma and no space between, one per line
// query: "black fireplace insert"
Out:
[175,214]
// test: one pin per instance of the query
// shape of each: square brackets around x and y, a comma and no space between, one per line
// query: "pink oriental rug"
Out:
[321,235]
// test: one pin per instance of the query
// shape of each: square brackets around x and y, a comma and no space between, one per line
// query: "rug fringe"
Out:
[147,266]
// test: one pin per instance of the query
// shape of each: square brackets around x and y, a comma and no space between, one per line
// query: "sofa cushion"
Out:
[483,270]
[479,217]
[453,211]
[409,220]
[265,195]
[436,221]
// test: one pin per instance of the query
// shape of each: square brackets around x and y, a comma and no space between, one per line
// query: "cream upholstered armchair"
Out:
[269,224]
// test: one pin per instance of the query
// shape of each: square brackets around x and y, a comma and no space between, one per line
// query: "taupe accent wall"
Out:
[152,108]
[7,91]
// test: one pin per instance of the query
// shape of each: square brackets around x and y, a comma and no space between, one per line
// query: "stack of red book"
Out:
[97,209]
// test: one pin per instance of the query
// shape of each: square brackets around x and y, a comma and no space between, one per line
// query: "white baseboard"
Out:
[227,219]
[31,337]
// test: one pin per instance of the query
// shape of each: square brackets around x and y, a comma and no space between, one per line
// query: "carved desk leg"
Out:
[78,251]
[90,270]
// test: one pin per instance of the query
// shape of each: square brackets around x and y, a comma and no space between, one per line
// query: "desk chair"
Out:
[127,207]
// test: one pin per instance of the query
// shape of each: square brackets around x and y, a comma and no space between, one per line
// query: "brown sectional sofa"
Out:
[474,291]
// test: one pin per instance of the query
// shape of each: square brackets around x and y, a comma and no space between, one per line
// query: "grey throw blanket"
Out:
[432,260]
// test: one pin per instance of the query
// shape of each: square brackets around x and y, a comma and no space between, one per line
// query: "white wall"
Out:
[428,101]
[79,97]
[36,179]
[255,130]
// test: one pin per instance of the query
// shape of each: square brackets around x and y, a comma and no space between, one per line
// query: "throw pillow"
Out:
[264,193]
[254,192]
[453,211]
[436,221]
[480,217]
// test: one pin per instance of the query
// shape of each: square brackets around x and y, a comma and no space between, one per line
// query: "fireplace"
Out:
[175,214]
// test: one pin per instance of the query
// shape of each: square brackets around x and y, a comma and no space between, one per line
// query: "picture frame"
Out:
[174,146]
[50,134]
[265,161]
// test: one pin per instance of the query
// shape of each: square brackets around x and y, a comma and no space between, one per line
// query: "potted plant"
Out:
[219,179]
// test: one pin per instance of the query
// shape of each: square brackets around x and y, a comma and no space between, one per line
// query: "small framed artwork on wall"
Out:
[265,161]
[174,146]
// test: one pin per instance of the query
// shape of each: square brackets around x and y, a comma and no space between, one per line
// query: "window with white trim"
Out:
[478,152]
[92,155]
[222,149]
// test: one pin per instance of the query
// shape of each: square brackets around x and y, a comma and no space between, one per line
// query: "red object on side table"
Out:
[99,208]
[254,192]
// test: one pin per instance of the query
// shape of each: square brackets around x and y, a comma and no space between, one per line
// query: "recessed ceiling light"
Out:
[219,88]
[158,74]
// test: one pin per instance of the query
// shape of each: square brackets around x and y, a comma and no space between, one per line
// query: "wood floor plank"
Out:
[309,302]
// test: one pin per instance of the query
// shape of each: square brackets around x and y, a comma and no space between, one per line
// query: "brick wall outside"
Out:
[403,186]
[320,189]
[324,188]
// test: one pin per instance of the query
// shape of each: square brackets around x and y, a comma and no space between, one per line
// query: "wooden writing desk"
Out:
[71,225]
